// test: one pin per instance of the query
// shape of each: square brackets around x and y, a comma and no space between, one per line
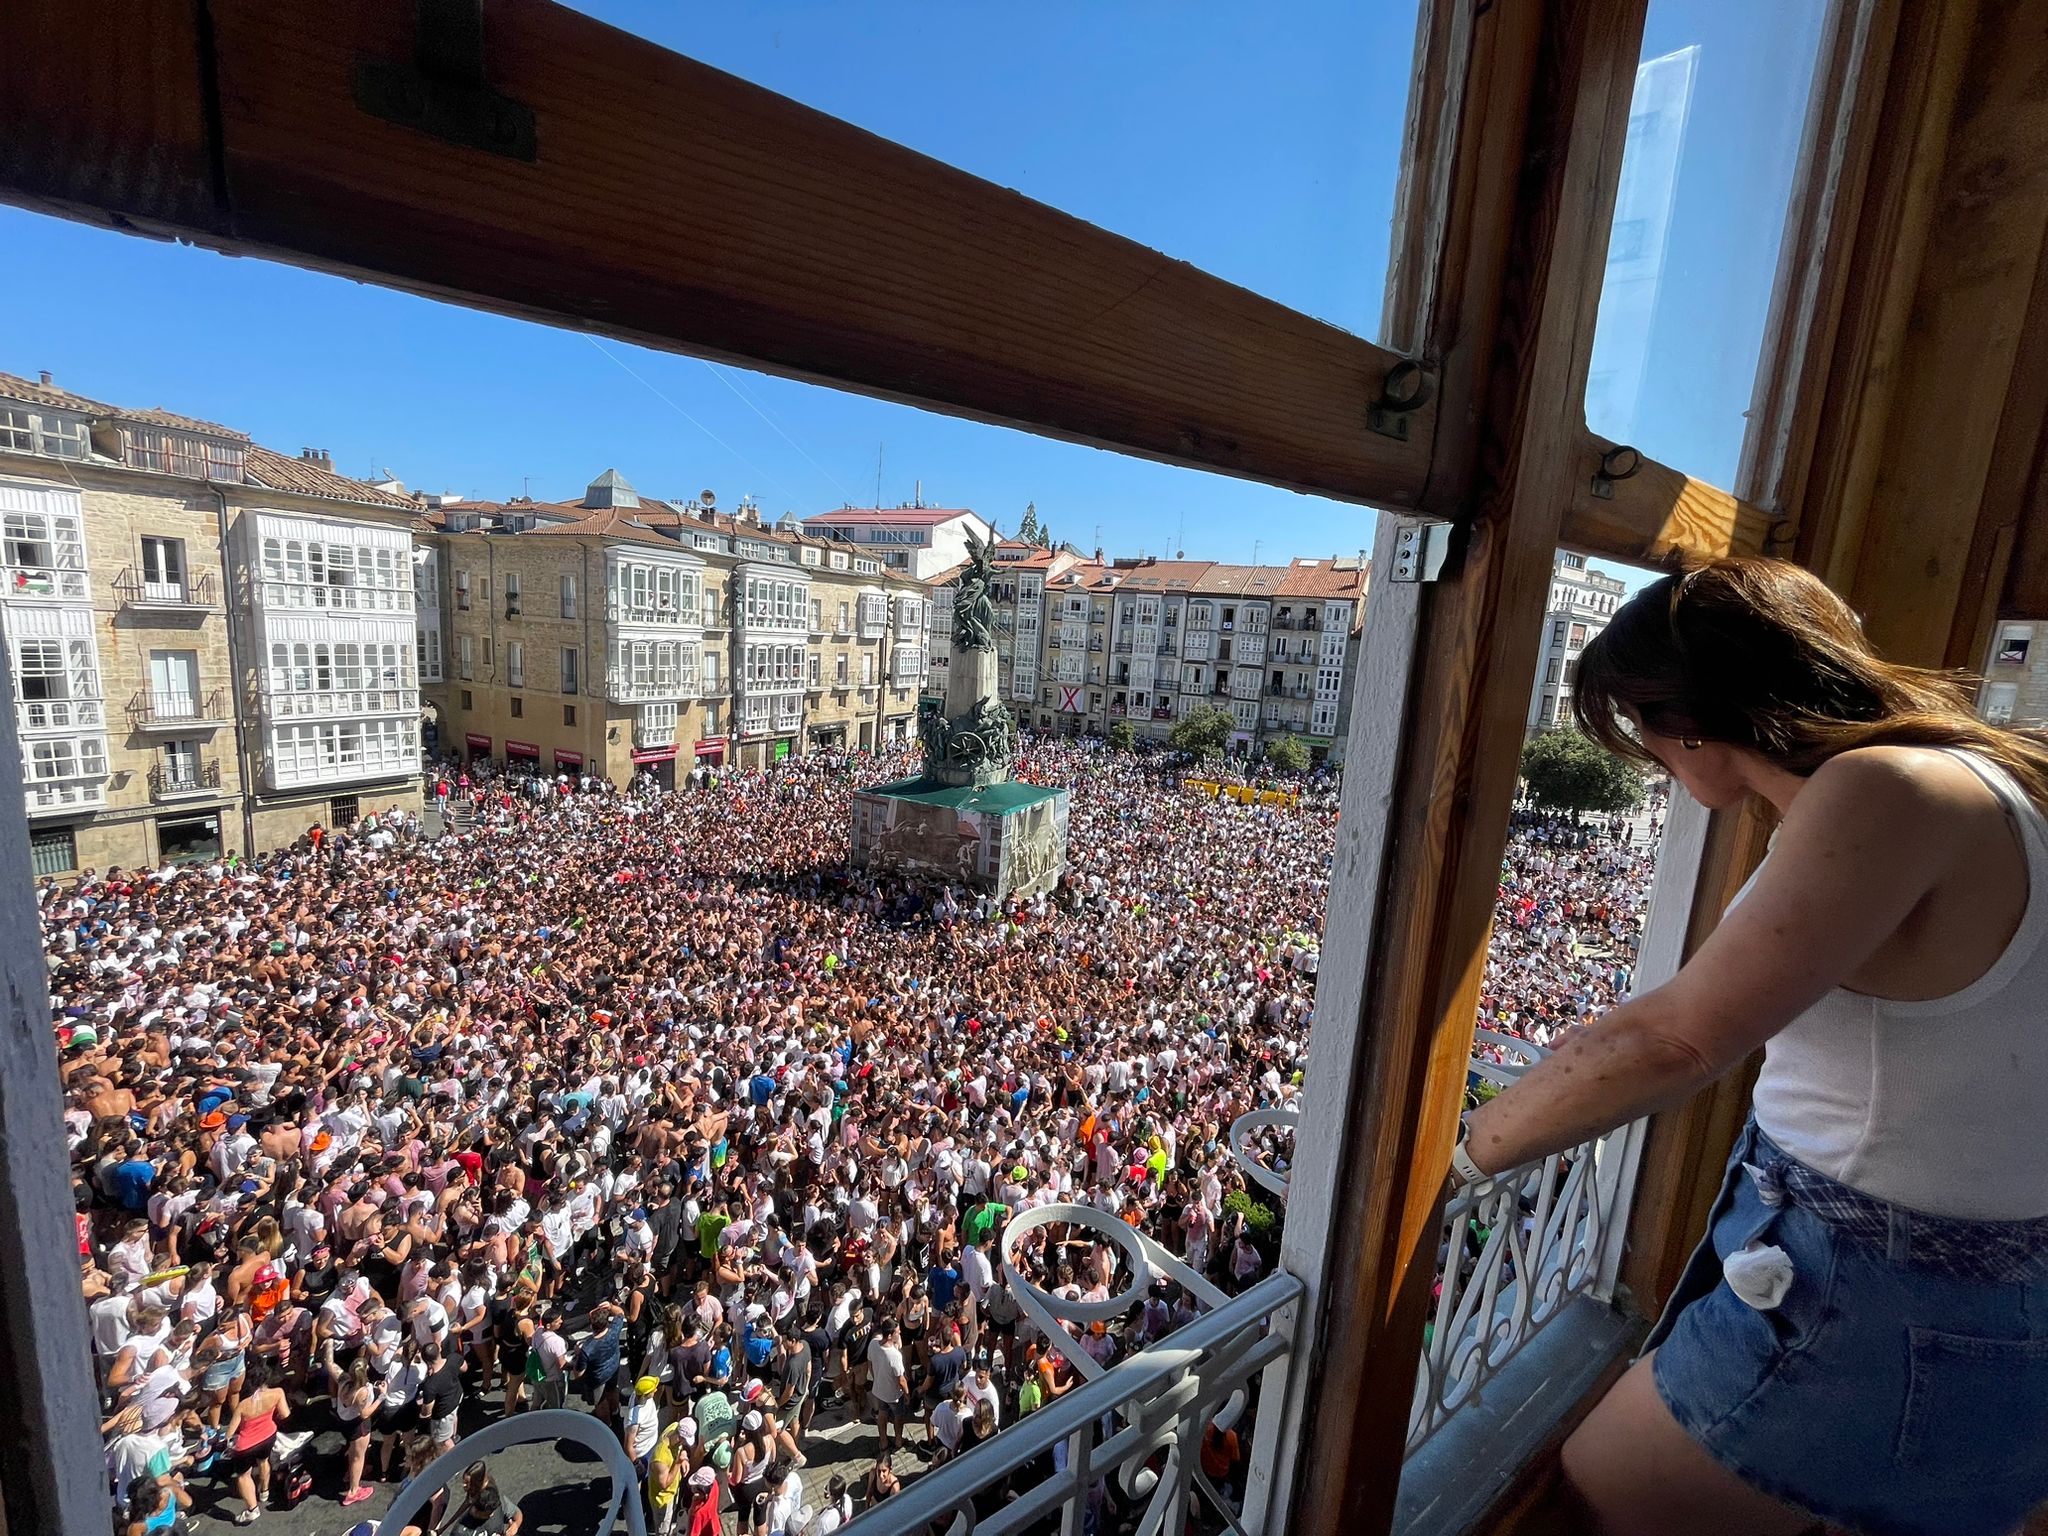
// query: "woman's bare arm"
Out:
[1865,841]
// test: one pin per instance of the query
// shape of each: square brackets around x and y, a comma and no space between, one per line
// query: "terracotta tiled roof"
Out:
[1164,576]
[1247,581]
[910,517]
[278,473]
[608,523]
[1325,578]
[15,387]
[156,416]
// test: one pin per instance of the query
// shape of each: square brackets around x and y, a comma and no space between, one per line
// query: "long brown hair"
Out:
[1758,653]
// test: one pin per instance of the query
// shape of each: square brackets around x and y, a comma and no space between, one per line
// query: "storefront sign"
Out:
[477,743]
[568,759]
[711,746]
[656,755]
[521,749]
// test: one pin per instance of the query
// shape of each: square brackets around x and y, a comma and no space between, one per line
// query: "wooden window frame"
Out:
[235,125]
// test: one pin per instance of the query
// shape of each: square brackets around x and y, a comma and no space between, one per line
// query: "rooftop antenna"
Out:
[1255,550]
[878,472]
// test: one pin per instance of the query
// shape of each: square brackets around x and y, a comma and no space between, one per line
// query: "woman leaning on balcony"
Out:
[1863,1337]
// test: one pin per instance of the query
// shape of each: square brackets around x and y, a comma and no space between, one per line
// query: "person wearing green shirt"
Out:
[982,1220]
[1030,1395]
[709,1225]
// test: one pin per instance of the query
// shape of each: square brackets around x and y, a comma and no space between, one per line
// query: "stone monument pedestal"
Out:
[1007,838]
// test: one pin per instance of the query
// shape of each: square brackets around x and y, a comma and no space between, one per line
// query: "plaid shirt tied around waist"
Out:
[1994,1252]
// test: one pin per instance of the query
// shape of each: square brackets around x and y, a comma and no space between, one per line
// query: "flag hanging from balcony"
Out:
[1070,698]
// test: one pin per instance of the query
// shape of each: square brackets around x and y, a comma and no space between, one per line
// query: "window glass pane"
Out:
[1706,180]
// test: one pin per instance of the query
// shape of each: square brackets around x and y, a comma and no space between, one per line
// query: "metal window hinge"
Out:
[1405,390]
[1617,463]
[443,91]
[1420,550]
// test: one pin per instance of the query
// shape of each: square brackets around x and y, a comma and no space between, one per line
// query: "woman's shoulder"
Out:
[1891,778]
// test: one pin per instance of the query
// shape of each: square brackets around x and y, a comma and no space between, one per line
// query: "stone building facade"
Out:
[623,635]
[139,620]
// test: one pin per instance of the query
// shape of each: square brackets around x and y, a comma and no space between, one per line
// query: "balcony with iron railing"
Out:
[188,594]
[154,710]
[168,781]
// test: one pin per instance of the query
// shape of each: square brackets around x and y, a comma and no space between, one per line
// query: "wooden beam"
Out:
[1451,267]
[679,207]
[108,121]
[2004,574]
[1811,287]
[1657,513]
[1962,337]
[1448,813]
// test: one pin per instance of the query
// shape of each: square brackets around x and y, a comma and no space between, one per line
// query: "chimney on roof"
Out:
[48,378]
[1098,554]
[319,458]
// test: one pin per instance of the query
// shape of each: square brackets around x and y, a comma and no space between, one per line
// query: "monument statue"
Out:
[964,818]
[974,608]
[973,738]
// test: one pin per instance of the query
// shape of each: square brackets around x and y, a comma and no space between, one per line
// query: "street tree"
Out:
[1287,754]
[1203,732]
[1569,771]
[1122,735]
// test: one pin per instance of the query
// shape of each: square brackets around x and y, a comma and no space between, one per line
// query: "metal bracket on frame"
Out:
[1406,389]
[443,91]
[1420,550]
[1617,463]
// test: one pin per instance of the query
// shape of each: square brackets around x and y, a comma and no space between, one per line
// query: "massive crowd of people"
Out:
[647,1100]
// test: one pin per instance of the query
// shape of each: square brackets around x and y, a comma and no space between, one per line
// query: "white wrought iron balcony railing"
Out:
[1517,1250]
[47,581]
[61,714]
[1552,1231]
[645,736]
[1140,1421]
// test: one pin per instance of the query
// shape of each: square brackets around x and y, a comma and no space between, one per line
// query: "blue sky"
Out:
[1265,153]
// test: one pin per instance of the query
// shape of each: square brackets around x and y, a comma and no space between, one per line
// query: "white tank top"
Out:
[1934,1105]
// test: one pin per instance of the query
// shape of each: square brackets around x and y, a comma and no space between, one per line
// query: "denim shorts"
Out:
[1885,1393]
